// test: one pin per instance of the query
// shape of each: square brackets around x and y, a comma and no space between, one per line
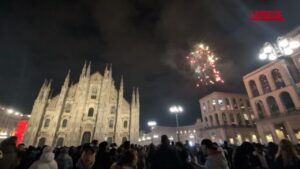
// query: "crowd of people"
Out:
[167,155]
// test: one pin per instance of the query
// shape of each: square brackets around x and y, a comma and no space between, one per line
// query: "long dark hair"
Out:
[127,158]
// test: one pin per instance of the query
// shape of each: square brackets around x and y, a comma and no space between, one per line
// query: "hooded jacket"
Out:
[216,160]
[46,160]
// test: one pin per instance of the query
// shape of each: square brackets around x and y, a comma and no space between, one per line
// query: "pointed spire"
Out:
[137,97]
[50,83]
[121,83]
[133,98]
[83,72]
[110,70]
[88,72]
[67,79]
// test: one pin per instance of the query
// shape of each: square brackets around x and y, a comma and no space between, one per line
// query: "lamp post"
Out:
[283,47]
[176,110]
[152,125]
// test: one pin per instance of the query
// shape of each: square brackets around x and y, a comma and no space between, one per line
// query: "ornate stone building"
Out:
[91,109]
[274,93]
[227,116]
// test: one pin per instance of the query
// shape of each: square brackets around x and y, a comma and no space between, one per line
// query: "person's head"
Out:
[126,145]
[207,145]
[103,146]
[21,147]
[179,146]
[165,140]
[272,148]
[287,151]
[246,148]
[259,148]
[95,143]
[128,158]
[64,150]
[88,155]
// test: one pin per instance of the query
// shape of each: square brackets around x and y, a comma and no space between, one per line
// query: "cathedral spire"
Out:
[67,79]
[110,70]
[133,98]
[121,84]
[83,72]
[137,97]
[88,72]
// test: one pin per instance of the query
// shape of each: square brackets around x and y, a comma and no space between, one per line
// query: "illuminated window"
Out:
[269,138]
[231,140]
[264,83]
[220,101]
[214,102]
[94,93]
[254,138]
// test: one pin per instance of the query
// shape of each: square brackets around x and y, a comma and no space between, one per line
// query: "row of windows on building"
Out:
[211,120]
[113,110]
[65,121]
[277,78]
[285,99]
[86,138]
[211,105]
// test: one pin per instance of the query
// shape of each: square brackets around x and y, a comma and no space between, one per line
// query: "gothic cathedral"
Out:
[91,109]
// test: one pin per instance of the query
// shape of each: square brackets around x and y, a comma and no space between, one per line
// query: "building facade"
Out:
[185,133]
[227,116]
[91,109]
[273,90]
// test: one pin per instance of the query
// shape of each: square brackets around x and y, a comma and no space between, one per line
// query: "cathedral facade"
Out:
[91,109]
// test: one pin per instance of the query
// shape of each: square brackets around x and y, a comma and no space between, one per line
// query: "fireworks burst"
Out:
[203,63]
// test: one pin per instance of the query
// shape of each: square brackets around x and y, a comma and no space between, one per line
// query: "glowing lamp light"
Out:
[148,138]
[288,51]
[294,44]
[192,136]
[268,49]
[171,138]
[155,136]
[283,43]
[152,123]
[10,111]
[272,57]
[263,56]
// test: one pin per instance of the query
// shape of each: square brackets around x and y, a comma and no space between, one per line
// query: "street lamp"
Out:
[176,110]
[283,47]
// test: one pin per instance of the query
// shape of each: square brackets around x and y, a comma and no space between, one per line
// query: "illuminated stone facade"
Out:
[227,116]
[91,109]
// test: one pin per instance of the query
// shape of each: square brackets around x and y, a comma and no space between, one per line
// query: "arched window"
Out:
[111,124]
[211,121]
[224,119]
[231,118]
[260,109]
[217,119]
[94,93]
[278,80]
[60,142]
[239,120]
[64,123]
[235,106]
[125,124]
[124,139]
[113,110]
[287,101]
[264,84]
[253,88]
[86,137]
[91,112]
[227,103]
[47,122]
[242,106]
[42,142]
[68,108]
[272,105]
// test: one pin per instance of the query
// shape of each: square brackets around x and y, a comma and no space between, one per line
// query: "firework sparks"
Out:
[203,63]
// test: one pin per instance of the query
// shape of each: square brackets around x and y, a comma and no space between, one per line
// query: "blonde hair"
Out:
[287,152]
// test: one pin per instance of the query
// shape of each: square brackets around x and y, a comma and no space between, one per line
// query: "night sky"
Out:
[145,40]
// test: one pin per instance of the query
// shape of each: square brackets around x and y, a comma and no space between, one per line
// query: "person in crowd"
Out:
[228,153]
[260,156]
[150,155]
[103,158]
[287,157]
[166,157]
[46,160]
[28,159]
[215,159]
[64,160]
[243,157]
[183,154]
[128,160]
[87,158]
[8,153]
[141,157]
[271,151]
